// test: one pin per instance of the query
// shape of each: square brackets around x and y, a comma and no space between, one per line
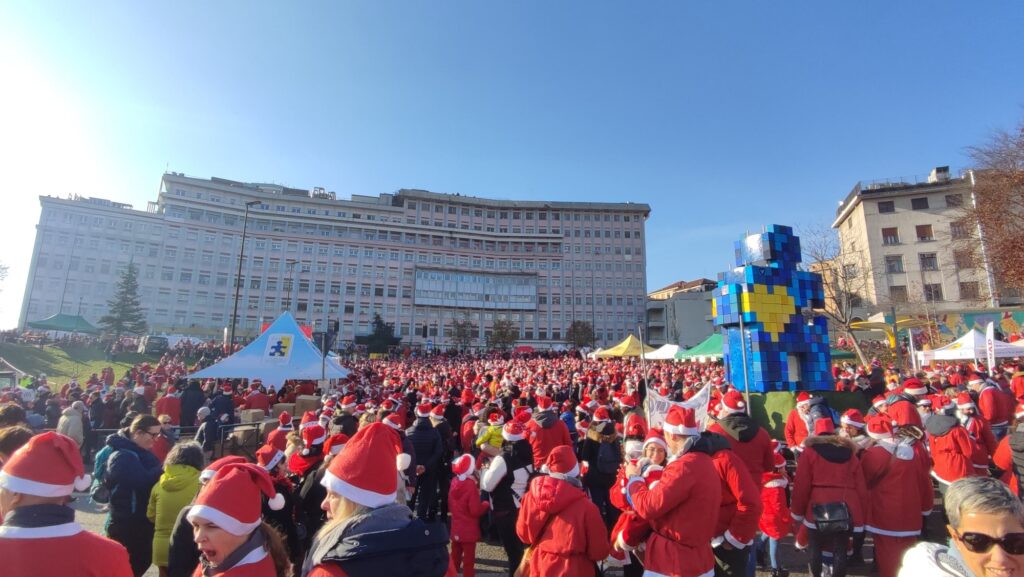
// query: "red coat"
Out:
[79,554]
[466,434]
[1003,459]
[899,488]
[828,471]
[952,454]
[984,440]
[904,413]
[258,400]
[278,438]
[776,520]
[1017,385]
[796,430]
[170,406]
[563,526]
[466,509]
[752,445]
[545,435]
[740,507]
[252,565]
[689,489]
[995,405]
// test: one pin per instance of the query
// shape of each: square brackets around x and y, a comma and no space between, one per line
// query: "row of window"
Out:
[425,208]
[921,203]
[923,233]
[962,260]
[932,292]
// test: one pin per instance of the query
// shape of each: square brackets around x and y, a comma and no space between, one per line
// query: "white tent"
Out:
[969,346]
[281,353]
[667,352]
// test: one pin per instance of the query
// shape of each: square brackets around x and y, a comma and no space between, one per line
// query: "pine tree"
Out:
[125,314]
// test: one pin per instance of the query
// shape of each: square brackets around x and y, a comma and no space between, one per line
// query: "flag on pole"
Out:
[990,348]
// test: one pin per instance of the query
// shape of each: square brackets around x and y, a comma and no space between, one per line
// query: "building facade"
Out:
[680,314]
[903,237]
[419,259]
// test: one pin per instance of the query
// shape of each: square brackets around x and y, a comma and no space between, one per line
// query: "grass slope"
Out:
[60,365]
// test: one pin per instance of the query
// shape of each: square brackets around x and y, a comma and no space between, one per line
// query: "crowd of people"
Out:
[409,463]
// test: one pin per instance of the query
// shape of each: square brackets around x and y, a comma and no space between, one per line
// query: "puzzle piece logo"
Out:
[279,347]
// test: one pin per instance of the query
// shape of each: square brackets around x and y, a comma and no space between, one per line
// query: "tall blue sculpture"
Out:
[758,307]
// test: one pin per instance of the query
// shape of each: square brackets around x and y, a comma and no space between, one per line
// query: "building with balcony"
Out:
[680,313]
[419,259]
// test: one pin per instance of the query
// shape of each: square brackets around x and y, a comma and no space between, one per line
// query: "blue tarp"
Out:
[281,353]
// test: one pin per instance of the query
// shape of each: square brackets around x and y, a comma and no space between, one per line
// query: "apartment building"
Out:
[680,313]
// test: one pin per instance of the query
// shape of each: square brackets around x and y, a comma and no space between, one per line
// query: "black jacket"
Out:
[183,553]
[427,443]
[191,399]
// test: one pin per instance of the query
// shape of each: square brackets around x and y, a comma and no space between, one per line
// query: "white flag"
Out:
[658,406]
[990,349]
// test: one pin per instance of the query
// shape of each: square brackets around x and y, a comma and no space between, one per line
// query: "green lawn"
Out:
[60,365]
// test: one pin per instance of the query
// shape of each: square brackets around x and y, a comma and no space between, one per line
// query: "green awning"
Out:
[710,348]
[841,355]
[65,323]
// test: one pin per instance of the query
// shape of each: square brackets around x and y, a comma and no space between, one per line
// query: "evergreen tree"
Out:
[381,339]
[125,314]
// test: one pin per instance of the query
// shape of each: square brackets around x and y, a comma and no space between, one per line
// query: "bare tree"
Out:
[580,334]
[504,334]
[463,330]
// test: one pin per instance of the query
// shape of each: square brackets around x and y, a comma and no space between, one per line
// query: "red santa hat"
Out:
[561,463]
[803,398]
[627,401]
[387,405]
[878,402]
[522,414]
[284,421]
[545,404]
[1019,412]
[513,431]
[964,401]
[423,410]
[879,428]
[268,456]
[335,443]
[495,419]
[654,437]
[366,472]
[309,419]
[681,421]
[231,500]
[732,403]
[393,421]
[437,413]
[852,418]
[312,436]
[49,465]
[824,426]
[463,466]
[227,388]
[914,386]
[601,415]
[976,381]
[206,474]
[778,460]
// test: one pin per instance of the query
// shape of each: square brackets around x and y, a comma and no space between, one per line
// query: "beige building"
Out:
[680,314]
[902,237]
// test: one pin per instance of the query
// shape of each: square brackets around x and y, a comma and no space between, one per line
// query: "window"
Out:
[954,200]
[963,259]
[919,203]
[957,231]
[890,235]
[924,233]
[933,292]
[886,207]
[929,261]
[969,291]
[894,263]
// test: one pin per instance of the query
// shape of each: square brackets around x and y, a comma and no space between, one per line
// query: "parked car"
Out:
[153,345]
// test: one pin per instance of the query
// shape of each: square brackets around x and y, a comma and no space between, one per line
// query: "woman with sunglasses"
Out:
[986,528]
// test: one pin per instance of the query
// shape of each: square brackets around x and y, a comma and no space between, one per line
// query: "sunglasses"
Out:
[1012,543]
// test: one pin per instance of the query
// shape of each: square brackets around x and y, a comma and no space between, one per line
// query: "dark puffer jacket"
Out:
[427,443]
[131,473]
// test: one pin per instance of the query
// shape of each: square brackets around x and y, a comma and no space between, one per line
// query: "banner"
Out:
[990,349]
[657,407]
[913,350]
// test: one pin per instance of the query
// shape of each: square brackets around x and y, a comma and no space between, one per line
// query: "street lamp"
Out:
[238,275]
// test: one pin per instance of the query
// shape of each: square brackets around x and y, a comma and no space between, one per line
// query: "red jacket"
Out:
[545,431]
[776,520]
[1003,459]
[466,433]
[689,489]
[278,438]
[903,413]
[170,406]
[828,471]
[466,509]
[563,526]
[82,554]
[952,450]
[984,440]
[796,430]
[899,488]
[252,566]
[995,405]
[257,400]
[740,507]
[1017,385]
[750,442]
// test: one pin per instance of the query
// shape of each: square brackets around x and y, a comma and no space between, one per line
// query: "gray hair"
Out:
[190,454]
[981,495]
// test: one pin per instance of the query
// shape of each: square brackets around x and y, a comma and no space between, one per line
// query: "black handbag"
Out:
[832,518]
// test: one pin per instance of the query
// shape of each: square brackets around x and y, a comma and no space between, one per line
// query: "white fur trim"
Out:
[352,493]
[887,533]
[621,544]
[776,483]
[276,503]
[734,541]
[402,461]
[223,520]
[851,423]
[30,487]
[511,438]
[277,458]
[64,530]
[681,430]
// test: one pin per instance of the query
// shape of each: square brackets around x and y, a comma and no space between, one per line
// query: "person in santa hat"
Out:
[439,506]
[828,471]
[601,455]
[369,533]
[466,508]
[489,440]
[630,529]
[170,404]
[222,403]
[257,399]
[347,421]
[545,431]
[467,431]
[228,527]
[799,422]
[851,426]
[278,438]
[1003,458]
[901,406]
[951,447]
[505,481]
[429,447]
[39,535]
[994,404]
[273,460]
[303,465]
[689,489]
[978,429]
[776,520]
[897,480]
[561,526]
[746,437]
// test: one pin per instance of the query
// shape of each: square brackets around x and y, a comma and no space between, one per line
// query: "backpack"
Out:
[608,459]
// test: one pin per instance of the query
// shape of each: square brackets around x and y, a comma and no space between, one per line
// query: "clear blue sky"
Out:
[723,116]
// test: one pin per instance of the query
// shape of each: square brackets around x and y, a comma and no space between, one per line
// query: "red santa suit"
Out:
[169,405]
[257,563]
[257,400]
[740,507]
[795,430]
[750,442]
[278,438]
[902,409]
[994,405]
[545,431]
[952,449]
[466,508]
[1003,460]
[900,492]
[984,441]
[776,521]
[828,471]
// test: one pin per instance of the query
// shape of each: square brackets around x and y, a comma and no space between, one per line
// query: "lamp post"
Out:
[238,275]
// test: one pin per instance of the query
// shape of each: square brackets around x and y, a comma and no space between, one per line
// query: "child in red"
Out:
[466,508]
[776,521]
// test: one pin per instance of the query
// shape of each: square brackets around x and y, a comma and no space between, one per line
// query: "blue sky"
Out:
[723,116]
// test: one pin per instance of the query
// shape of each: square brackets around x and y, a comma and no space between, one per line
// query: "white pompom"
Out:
[276,502]
[82,483]
[403,460]
[305,452]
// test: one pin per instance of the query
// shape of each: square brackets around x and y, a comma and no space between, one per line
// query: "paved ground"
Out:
[491,559]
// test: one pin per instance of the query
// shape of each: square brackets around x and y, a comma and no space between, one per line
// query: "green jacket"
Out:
[175,490]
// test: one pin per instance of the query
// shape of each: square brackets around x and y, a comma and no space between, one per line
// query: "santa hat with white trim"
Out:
[853,418]
[206,474]
[284,421]
[879,428]
[335,443]
[49,465]
[366,472]
[964,401]
[513,431]
[496,419]
[393,421]
[464,466]
[732,403]
[437,413]
[231,500]
[348,402]
[545,404]
[681,421]
[268,457]
[561,463]
[601,415]
[309,419]
[423,410]
[654,437]
[312,436]
[803,398]
[914,386]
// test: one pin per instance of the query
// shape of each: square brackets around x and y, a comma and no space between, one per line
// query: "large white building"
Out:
[419,259]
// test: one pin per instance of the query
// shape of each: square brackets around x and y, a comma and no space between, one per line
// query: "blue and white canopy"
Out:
[281,353]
